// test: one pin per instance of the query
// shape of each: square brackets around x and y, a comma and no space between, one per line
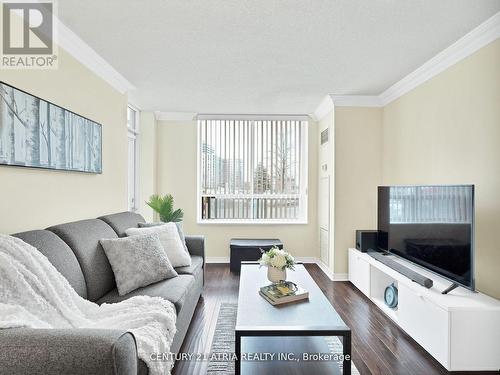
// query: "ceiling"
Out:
[266,56]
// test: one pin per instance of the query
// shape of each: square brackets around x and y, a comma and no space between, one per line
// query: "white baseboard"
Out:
[326,270]
[340,277]
[319,263]
[307,259]
[332,276]
[217,260]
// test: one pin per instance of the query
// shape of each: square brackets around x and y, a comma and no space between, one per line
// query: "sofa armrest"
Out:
[67,351]
[196,245]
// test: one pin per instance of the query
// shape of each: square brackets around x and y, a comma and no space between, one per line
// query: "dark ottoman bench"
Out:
[249,250]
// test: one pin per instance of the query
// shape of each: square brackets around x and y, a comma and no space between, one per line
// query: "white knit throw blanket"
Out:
[34,294]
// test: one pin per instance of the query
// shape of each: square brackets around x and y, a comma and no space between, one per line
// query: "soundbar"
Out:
[409,273]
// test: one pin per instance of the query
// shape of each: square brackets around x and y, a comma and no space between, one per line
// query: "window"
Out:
[133,134]
[252,170]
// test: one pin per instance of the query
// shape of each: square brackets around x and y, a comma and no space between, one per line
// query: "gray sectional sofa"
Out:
[74,249]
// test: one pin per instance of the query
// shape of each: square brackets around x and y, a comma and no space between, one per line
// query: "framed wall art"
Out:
[39,134]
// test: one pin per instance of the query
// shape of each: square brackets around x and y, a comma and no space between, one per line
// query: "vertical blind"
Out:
[430,204]
[253,169]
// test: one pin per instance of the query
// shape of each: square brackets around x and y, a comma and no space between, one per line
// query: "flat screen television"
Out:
[431,226]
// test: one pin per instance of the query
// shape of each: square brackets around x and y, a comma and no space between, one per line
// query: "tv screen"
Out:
[431,226]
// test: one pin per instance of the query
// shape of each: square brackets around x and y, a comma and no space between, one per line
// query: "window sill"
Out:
[251,222]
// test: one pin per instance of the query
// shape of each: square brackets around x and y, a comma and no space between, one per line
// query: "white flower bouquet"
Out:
[277,258]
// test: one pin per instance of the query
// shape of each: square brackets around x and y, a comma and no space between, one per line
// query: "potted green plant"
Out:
[277,262]
[164,206]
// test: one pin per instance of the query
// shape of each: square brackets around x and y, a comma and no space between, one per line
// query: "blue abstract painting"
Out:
[36,133]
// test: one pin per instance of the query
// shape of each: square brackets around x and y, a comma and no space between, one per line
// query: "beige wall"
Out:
[147,163]
[447,131]
[36,198]
[177,159]
[358,155]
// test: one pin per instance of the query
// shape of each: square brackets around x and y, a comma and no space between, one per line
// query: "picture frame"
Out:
[37,133]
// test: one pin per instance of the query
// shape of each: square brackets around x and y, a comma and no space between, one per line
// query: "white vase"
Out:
[276,275]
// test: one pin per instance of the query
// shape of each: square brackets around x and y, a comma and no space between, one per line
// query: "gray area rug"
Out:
[223,342]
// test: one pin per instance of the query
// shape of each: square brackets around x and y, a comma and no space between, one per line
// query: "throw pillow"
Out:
[179,229]
[149,225]
[137,261]
[170,240]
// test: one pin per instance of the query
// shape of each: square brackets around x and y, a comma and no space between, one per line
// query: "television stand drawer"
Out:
[359,271]
[425,322]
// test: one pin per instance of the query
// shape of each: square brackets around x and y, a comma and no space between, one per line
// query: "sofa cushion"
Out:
[137,261]
[175,290]
[59,254]
[120,222]
[171,241]
[194,268]
[178,224]
[83,238]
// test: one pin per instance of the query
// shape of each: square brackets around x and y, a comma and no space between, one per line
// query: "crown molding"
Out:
[471,42]
[325,107]
[174,116]
[82,52]
[260,116]
[132,100]
[356,101]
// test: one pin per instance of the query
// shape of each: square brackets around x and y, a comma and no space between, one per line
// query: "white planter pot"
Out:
[276,275]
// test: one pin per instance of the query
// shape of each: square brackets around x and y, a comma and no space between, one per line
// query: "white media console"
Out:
[461,330]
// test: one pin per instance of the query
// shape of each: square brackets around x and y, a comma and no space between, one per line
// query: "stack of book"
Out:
[284,292]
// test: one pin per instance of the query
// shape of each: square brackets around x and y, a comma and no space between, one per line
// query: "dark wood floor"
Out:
[378,345]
